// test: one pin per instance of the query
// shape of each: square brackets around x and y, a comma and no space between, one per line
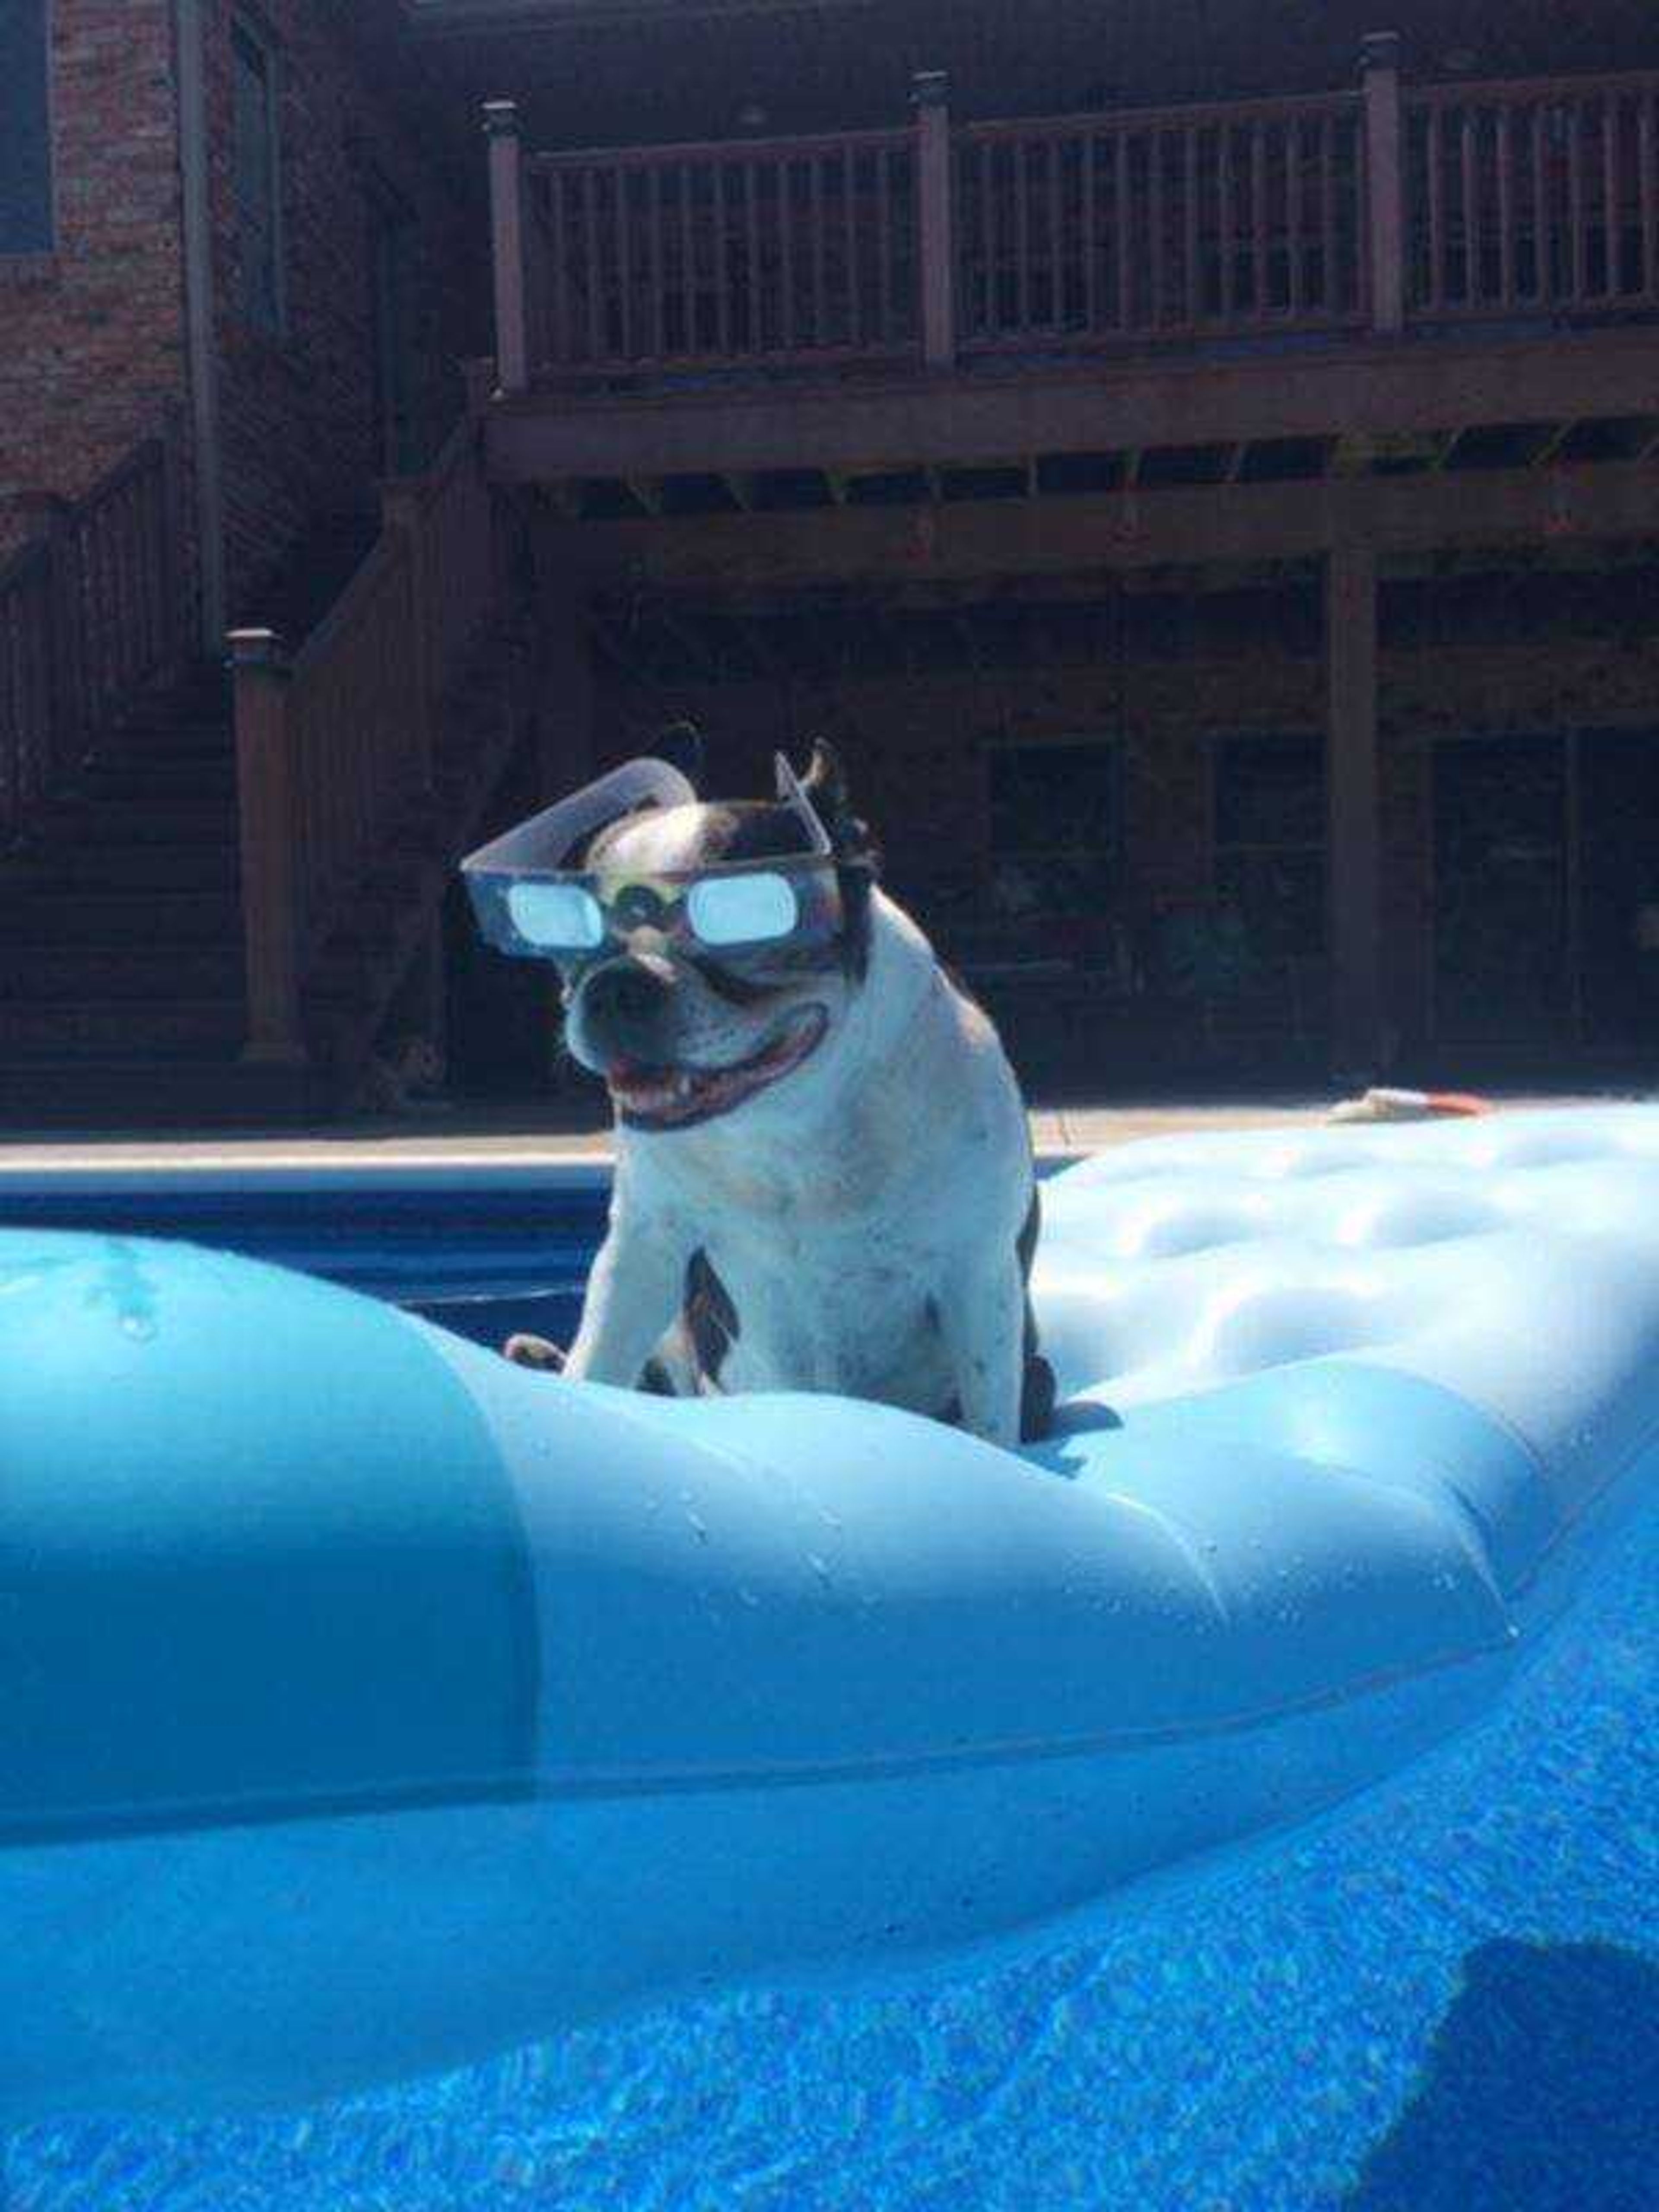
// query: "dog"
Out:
[823,1179]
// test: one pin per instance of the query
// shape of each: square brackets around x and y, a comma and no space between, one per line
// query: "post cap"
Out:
[929,88]
[1379,50]
[257,648]
[500,119]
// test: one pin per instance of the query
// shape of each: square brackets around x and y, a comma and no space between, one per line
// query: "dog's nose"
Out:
[626,991]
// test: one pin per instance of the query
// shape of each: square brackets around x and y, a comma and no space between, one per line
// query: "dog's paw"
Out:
[534,1351]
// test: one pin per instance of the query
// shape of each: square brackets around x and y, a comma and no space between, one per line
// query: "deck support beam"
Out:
[1354,835]
[1206,525]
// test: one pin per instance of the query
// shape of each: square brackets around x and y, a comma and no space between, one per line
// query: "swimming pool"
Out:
[1446,1993]
[484,1249]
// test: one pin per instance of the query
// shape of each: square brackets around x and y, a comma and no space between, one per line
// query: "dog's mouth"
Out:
[648,1097]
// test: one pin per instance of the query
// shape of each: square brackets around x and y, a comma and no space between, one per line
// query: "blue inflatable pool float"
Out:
[372,1705]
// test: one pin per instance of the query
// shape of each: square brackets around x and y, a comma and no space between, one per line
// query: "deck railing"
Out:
[798,250]
[92,612]
[1532,194]
[1371,208]
[1166,224]
[335,752]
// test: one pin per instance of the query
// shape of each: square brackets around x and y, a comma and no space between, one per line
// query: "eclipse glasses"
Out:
[529,903]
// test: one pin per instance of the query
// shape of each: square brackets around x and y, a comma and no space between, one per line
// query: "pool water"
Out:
[1445,1995]
[483,1250]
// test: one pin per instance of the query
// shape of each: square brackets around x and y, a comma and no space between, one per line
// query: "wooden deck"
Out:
[1356,330]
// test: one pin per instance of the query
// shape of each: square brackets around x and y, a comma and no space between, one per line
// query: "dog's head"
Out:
[687,1015]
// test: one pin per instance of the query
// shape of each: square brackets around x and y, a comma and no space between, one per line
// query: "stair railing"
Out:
[93,611]
[334,751]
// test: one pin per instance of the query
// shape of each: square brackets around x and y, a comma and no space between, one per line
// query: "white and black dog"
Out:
[824,1169]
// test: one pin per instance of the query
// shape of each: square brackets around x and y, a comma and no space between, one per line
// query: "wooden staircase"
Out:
[126,930]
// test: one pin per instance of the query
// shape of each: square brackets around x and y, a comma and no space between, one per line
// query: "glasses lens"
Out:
[742,909]
[557,917]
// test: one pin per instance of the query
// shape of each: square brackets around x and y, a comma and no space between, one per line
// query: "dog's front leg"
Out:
[983,1320]
[634,1294]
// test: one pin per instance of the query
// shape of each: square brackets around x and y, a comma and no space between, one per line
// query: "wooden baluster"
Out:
[850,244]
[1259,219]
[170,567]
[787,251]
[558,278]
[507,237]
[1195,274]
[151,563]
[1543,210]
[1155,167]
[1385,216]
[936,219]
[722,263]
[1611,134]
[1576,198]
[1091,243]
[1022,211]
[102,544]
[59,627]
[1470,188]
[688,260]
[1056,238]
[1293,196]
[1503,155]
[132,582]
[592,264]
[623,178]
[1125,240]
[265,796]
[406,507]
[1438,283]
[820,283]
[653,184]
[991,237]
[1648,172]
[756,325]
[884,246]
[1330,283]
[1224,229]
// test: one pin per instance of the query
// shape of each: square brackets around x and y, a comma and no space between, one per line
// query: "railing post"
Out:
[265,803]
[508,234]
[935,216]
[403,509]
[1385,210]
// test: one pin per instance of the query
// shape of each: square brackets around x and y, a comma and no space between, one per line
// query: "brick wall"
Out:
[94,332]
[1558,653]
[298,410]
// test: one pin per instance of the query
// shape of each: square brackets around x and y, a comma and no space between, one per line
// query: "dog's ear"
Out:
[680,743]
[825,781]
[826,784]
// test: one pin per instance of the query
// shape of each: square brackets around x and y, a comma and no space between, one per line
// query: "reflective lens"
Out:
[744,909]
[558,917]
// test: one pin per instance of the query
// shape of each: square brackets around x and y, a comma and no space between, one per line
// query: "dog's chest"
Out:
[857,1314]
